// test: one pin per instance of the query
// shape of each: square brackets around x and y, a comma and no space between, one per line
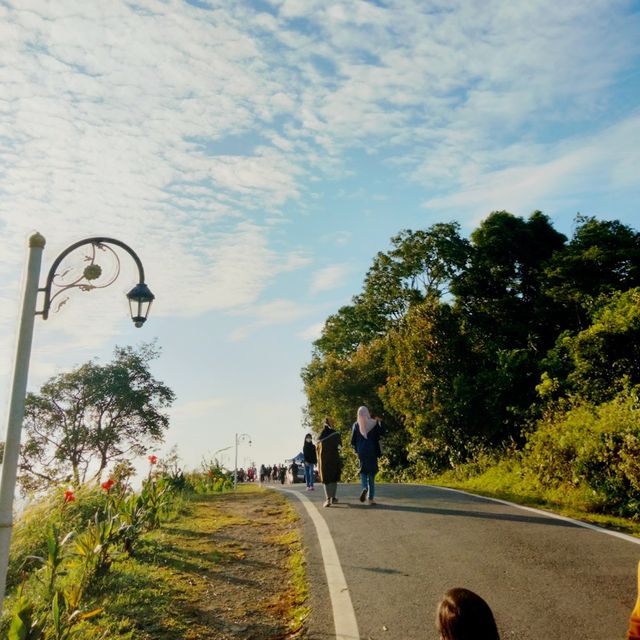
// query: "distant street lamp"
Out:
[242,436]
[86,279]
[220,451]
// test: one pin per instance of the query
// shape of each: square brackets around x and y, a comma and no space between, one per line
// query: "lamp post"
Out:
[87,279]
[220,451]
[242,436]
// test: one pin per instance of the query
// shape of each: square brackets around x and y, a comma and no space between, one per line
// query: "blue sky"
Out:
[256,155]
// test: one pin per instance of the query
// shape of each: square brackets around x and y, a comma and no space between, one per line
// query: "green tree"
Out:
[501,290]
[509,321]
[433,385]
[421,263]
[346,330]
[602,360]
[348,365]
[83,420]
[602,257]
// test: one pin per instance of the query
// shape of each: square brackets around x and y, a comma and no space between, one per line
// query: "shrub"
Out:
[597,446]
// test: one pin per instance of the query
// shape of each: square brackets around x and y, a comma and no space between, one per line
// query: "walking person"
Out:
[329,463]
[310,461]
[365,440]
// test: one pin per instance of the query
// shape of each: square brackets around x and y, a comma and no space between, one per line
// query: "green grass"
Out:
[166,590]
[294,604]
[142,595]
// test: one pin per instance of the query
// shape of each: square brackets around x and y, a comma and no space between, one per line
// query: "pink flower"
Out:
[68,496]
[108,484]
[153,459]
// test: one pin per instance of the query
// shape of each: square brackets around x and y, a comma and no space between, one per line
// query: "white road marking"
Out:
[547,514]
[344,617]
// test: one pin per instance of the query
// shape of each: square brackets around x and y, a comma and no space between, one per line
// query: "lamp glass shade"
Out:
[140,299]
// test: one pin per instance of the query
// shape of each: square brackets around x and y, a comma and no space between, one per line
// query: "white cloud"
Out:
[338,238]
[606,162]
[275,312]
[312,332]
[328,278]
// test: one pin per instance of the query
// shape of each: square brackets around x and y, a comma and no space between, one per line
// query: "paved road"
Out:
[545,578]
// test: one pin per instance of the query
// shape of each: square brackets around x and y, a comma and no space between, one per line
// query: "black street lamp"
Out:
[140,297]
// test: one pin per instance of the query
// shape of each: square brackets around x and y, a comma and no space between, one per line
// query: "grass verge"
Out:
[230,565]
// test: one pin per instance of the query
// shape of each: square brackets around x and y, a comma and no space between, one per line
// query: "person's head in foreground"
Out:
[464,615]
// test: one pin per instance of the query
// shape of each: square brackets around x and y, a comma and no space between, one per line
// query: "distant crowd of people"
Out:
[279,473]
[247,475]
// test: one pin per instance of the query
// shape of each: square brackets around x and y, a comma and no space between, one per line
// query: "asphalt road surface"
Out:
[545,578]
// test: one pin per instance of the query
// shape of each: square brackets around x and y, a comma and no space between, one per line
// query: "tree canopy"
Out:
[461,344]
[97,414]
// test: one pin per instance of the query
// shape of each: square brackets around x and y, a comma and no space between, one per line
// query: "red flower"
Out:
[108,484]
[68,496]
[153,459]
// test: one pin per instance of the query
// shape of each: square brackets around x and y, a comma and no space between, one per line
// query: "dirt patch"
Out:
[236,575]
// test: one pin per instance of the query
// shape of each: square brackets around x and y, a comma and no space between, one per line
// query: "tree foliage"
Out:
[83,420]
[602,257]
[462,344]
[603,359]
[428,363]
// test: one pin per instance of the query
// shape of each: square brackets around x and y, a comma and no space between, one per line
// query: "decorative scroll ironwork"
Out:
[88,274]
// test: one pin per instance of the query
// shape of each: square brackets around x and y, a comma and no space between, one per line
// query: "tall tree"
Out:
[420,264]
[82,421]
[602,257]
[435,384]
[501,290]
[509,321]
[345,331]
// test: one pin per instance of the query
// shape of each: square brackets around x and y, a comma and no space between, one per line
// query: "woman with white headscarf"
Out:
[365,439]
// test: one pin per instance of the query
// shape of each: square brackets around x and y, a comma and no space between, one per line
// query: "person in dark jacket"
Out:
[365,440]
[329,463]
[310,460]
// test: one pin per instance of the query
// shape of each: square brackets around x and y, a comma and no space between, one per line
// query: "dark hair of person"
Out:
[464,615]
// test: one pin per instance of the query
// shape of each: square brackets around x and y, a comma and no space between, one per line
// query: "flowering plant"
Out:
[108,484]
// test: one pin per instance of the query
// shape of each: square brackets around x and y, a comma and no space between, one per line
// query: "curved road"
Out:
[545,578]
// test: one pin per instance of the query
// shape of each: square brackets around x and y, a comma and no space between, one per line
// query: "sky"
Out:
[256,155]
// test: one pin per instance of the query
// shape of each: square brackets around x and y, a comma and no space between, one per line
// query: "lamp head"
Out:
[140,299]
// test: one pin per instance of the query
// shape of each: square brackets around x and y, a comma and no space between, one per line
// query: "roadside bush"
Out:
[594,446]
[68,540]
[31,532]
[211,479]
